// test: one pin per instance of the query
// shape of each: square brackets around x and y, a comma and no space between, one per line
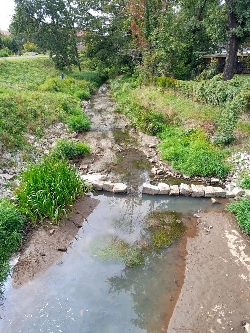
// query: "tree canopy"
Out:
[162,37]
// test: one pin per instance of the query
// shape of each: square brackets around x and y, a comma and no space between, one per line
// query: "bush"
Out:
[22,113]
[78,122]
[47,188]
[241,209]
[191,153]
[71,86]
[244,180]
[69,149]
[11,224]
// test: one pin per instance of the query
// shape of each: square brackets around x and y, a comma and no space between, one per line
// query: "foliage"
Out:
[5,52]
[146,119]
[231,96]
[29,47]
[47,189]
[25,112]
[11,223]
[69,149]
[81,89]
[78,121]
[241,209]
[52,27]
[244,180]
[26,74]
[191,153]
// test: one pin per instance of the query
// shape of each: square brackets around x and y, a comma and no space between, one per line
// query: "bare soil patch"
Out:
[45,245]
[215,296]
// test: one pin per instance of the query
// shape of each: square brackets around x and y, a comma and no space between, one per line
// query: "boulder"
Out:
[120,188]
[185,189]
[150,189]
[163,188]
[108,186]
[220,192]
[197,191]
[209,191]
[97,185]
[174,190]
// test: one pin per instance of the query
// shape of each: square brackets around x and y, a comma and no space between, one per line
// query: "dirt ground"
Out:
[215,296]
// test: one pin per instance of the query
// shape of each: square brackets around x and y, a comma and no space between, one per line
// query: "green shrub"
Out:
[47,188]
[25,112]
[11,224]
[78,122]
[241,210]
[69,149]
[26,74]
[94,78]
[244,180]
[191,153]
[71,86]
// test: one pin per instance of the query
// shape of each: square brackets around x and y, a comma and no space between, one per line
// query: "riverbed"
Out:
[79,278]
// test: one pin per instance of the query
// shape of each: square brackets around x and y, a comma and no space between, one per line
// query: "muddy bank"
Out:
[45,245]
[215,296]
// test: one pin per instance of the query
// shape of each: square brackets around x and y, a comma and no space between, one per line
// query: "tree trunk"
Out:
[232,44]
[231,59]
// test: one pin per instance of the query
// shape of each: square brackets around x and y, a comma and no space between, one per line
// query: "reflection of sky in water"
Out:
[86,295]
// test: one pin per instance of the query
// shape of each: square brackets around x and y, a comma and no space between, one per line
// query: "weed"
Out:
[11,223]
[191,153]
[241,209]
[78,121]
[47,188]
[69,149]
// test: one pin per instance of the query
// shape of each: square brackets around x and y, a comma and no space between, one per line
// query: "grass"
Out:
[11,224]
[181,124]
[47,189]
[32,98]
[69,149]
[241,210]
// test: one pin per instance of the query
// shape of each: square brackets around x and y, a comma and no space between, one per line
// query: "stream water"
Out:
[92,288]
[85,292]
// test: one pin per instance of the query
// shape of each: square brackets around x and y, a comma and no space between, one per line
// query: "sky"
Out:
[6,12]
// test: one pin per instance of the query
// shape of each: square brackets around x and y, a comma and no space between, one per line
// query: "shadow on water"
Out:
[91,292]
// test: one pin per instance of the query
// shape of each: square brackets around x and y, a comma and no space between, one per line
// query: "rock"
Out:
[107,186]
[209,191]
[7,176]
[51,232]
[238,191]
[163,188]
[185,189]
[174,190]
[214,201]
[150,189]
[97,185]
[197,191]
[219,192]
[215,180]
[119,188]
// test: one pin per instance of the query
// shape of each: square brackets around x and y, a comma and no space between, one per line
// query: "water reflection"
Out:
[82,293]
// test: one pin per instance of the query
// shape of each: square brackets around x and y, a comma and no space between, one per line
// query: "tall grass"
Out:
[11,223]
[47,189]
[241,210]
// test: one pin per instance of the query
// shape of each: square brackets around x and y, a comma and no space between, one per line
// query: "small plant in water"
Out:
[165,228]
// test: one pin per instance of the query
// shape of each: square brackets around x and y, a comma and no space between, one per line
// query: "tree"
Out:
[238,26]
[50,25]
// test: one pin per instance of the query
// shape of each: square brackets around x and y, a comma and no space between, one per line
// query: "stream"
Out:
[94,287]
